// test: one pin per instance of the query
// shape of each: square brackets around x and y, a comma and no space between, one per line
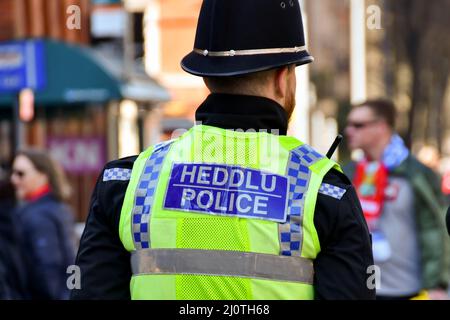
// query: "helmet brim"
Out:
[199,65]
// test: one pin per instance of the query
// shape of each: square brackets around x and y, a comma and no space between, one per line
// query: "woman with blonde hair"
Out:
[45,222]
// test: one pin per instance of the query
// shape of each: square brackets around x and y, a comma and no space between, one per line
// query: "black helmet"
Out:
[236,37]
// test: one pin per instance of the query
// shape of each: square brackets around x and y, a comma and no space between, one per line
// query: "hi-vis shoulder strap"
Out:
[145,192]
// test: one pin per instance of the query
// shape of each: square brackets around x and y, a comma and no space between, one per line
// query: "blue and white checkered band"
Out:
[145,194]
[117,174]
[290,233]
[332,191]
[307,154]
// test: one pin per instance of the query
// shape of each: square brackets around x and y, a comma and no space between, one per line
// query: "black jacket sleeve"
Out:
[104,262]
[341,268]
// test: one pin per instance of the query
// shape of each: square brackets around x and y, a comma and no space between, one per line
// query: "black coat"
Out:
[12,272]
[47,240]
[340,268]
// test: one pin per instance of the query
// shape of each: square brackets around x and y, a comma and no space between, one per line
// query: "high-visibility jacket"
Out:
[222,214]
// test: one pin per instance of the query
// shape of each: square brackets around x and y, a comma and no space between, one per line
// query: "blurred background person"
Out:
[429,156]
[12,274]
[402,204]
[46,223]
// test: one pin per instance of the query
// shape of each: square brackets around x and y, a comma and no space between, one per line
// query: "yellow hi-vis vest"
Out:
[222,214]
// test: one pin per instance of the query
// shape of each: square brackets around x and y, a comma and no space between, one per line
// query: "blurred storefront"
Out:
[90,102]
[82,109]
[169,29]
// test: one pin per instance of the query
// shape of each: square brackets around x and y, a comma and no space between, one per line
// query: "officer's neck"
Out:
[233,111]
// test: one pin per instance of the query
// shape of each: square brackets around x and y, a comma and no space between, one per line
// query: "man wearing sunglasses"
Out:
[402,205]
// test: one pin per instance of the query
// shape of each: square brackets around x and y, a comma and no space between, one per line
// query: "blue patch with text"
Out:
[227,190]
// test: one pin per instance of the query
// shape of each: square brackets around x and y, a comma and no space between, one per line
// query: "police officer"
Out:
[234,208]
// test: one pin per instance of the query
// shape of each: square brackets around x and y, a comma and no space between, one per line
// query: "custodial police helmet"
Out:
[236,37]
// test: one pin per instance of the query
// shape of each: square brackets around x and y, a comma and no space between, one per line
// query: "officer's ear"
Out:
[281,81]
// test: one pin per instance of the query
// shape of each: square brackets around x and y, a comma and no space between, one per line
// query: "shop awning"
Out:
[72,75]
[139,87]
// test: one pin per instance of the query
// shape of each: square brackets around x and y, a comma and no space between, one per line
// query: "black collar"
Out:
[228,111]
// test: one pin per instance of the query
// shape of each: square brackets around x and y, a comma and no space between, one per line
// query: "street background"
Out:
[93,81]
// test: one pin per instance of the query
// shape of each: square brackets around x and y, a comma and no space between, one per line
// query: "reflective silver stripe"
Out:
[251,52]
[222,263]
